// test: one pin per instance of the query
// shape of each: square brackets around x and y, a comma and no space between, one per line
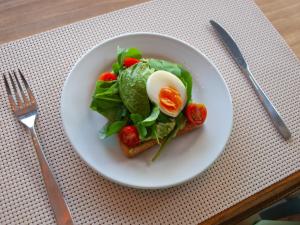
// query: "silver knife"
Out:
[239,59]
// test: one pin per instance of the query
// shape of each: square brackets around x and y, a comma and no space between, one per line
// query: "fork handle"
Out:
[61,211]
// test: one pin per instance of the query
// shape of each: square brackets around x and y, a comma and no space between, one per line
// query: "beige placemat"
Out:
[255,157]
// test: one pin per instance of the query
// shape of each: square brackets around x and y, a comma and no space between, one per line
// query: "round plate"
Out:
[186,156]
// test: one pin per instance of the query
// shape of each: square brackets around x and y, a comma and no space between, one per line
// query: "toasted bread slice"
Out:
[132,152]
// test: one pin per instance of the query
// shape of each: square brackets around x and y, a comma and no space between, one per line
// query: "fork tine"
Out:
[10,97]
[6,85]
[31,96]
[19,103]
[21,90]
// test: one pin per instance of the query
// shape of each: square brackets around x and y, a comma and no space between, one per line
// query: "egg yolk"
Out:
[170,99]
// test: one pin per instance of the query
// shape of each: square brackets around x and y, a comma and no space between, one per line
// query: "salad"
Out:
[145,100]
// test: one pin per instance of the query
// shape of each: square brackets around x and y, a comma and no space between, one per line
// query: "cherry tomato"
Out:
[196,113]
[129,136]
[128,62]
[107,76]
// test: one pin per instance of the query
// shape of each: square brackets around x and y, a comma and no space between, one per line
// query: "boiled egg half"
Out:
[167,91]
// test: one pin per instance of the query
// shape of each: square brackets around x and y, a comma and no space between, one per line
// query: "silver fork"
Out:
[25,109]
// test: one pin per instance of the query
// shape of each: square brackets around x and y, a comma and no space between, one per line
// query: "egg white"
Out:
[162,79]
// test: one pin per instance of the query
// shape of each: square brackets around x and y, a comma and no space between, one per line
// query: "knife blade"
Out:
[230,45]
[235,52]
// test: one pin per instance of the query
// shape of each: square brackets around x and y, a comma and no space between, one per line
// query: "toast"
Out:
[132,152]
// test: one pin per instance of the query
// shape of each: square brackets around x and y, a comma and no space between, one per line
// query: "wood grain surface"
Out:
[285,17]
[21,18]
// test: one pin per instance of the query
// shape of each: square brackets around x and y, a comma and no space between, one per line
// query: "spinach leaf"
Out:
[116,68]
[142,131]
[163,129]
[180,121]
[150,120]
[154,132]
[159,64]
[159,131]
[106,101]
[133,53]
[102,132]
[123,53]
[187,80]
[142,124]
[163,118]
[112,128]
[137,119]
[132,88]
[120,53]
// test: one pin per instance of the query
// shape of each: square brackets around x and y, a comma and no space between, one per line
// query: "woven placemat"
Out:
[255,157]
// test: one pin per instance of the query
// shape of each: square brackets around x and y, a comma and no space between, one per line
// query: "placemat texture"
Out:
[255,157]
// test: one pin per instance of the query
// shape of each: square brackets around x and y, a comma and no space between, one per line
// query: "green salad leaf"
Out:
[116,68]
[158,131]
[163,129]
[150,128]
[150,120]
[159,64]
[180,122]
[154,134]
[106,100]
[111,128]
[123,53]
[132,88]
[136,118]
[142,130]
[187,80]
[164,118]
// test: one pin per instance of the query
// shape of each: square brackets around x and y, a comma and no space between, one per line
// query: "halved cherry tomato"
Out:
[129,136]
[196,113]
[130,61]
[107,76]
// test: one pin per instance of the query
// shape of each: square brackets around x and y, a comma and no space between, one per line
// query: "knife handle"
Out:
[273,113]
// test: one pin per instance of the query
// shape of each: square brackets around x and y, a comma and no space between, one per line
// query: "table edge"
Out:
[256,202]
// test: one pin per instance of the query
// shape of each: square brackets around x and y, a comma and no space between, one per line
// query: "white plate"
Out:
[186,156]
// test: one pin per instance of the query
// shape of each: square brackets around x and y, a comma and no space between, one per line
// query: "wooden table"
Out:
[21,18]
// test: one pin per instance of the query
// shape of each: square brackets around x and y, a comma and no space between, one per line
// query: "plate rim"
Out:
[61,111]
